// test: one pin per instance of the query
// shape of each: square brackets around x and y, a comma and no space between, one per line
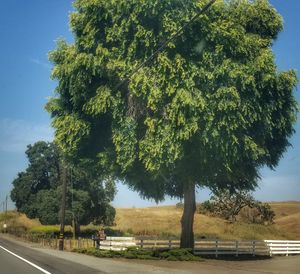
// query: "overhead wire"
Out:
[166,42]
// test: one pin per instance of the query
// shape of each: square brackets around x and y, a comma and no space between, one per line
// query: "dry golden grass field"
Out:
[288,217]
[164,221]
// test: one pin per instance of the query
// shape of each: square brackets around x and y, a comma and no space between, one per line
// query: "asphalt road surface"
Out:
[33,261]
[23,258]
[11,264]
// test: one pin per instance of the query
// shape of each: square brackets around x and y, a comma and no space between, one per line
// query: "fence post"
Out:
[142,243]
[170,244]
[217,248]
[253,248]
[287,249]
[237,248]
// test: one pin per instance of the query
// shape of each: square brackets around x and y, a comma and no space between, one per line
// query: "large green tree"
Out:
[37,191]
[208,110]
[42,174]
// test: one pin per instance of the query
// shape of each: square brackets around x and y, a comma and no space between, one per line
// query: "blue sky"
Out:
[28,30]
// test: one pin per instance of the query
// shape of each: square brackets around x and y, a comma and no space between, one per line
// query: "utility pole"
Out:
[72,205]
[5,215]
[6,205]
[63,208]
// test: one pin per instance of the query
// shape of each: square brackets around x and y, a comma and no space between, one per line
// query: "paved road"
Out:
[57,262]
[10,264]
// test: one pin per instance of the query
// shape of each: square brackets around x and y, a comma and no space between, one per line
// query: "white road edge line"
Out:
[26,261]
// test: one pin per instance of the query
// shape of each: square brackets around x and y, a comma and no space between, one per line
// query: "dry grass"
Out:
[165,221]
[283,209]
[18,221]
[149,221]
[288,217]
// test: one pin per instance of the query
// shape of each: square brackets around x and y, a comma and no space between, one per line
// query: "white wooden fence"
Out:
[117,243]
[211,247]
[287,248]
[230,247]
[157,243]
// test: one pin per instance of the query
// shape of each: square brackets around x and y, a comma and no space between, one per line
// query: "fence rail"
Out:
[213,247]
[278,247]
[230,247]
[146,243]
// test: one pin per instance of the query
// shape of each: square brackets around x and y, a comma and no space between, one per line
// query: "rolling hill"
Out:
[164,221]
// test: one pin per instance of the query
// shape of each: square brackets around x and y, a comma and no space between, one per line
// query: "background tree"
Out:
[209,110]
[237,204]
[37,191]
[258,213]
[42,174]
[229,204]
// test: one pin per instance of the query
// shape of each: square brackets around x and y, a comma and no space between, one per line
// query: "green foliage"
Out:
[46,230]
[212,107]
[143,254]
[179,205]
[41,175]
[50,231]
[209,110]
[237,205]
[258,213]
[37,191]
[206,208]
[47,205]
[228,204]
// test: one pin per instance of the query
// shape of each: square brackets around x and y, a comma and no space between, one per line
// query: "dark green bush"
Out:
[143,254]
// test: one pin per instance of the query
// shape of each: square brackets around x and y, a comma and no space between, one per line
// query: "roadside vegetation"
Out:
[164,222]
[37,191]
[143,254]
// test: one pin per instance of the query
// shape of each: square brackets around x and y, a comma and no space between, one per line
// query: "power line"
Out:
[160,49]
[163,46]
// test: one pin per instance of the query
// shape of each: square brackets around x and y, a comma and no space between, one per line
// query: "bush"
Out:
[179,205]
[207,208]
[143,254]
[239,204]
[258,213]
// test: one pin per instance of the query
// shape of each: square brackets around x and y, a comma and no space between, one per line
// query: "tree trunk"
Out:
[77,229]
[187,220]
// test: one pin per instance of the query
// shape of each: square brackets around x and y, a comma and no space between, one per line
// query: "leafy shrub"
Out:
[257,213]
[207,208]
[179,205]
[239,204]
[143,254]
